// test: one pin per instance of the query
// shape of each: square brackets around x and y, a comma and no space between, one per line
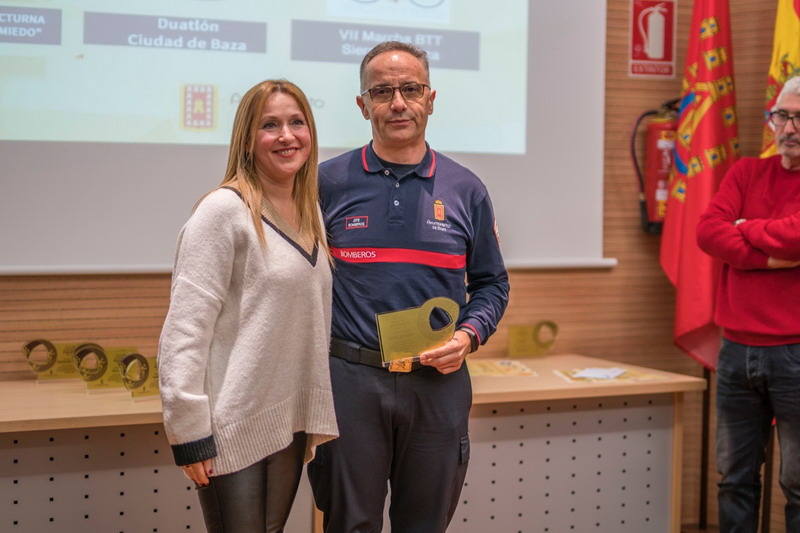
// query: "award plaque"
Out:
[139,375]
[90,361]
[57,361]
[99,367]
[404,334]
[531,341]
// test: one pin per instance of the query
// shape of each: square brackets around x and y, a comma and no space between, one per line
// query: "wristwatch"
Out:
[473,339]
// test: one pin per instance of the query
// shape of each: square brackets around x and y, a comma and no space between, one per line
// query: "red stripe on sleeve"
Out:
[472,328]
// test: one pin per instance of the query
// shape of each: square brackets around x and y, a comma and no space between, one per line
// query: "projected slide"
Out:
[173,72]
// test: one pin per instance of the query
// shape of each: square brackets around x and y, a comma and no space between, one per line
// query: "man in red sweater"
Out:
[753,226]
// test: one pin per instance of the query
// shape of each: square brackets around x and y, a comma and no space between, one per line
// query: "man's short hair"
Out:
[792,86]
[390,46]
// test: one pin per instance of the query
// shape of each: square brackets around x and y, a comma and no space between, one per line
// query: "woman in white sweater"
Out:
[243,356]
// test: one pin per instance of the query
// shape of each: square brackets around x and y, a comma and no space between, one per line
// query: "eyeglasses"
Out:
[384,93]
[780,118]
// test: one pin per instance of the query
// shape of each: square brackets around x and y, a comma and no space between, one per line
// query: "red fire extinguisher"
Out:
[659,145]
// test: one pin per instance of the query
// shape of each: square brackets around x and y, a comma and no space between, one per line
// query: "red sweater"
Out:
[756,305]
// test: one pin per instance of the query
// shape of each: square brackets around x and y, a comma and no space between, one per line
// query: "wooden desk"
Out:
[72,461]
[547,385]
[58,434]
[30,406]
[575,455]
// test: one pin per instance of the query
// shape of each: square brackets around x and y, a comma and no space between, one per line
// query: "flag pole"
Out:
[703,523]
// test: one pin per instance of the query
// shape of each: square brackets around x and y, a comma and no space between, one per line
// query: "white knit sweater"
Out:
[243,356]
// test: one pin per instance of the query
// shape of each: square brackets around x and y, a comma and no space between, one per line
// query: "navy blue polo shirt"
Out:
[398,242]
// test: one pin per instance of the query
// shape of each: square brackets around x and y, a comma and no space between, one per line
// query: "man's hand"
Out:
[449,357]
[781,263]
[198,472]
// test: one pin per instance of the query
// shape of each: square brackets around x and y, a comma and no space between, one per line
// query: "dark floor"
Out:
[695,529]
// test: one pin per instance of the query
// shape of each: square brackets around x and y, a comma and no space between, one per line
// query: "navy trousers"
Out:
[408,432]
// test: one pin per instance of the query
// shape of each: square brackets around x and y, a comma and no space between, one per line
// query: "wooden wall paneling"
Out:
[621,314]
[109,310]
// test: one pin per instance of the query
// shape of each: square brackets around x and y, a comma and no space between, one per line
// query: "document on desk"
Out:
[503,367]
[599,373]
[603,374]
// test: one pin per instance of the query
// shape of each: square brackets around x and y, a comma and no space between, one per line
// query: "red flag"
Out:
[785,63]
[707,145]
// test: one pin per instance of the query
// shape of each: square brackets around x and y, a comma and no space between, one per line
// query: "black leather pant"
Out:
[257,498]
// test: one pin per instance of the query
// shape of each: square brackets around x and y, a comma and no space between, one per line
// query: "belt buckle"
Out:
[401,365]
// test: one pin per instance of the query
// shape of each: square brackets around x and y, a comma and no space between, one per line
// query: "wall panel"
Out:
[621,314]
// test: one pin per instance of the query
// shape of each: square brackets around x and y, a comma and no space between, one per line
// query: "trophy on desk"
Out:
[531,340]
[99,367]
[51,361]
[139,375]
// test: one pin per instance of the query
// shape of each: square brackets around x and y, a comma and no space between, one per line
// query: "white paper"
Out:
[599,373]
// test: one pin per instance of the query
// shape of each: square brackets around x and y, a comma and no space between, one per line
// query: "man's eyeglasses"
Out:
[780,118]
[384,93]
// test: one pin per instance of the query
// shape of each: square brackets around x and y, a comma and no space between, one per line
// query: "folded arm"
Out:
[717,231]
[778,238]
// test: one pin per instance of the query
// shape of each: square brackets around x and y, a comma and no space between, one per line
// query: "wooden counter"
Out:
[498,418]
[547,385]
[32,406]
[29,406]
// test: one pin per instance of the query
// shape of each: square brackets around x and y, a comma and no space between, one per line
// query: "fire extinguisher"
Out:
[659,145]
[653,34]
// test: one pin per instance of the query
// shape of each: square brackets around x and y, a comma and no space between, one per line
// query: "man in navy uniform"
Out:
[406,224]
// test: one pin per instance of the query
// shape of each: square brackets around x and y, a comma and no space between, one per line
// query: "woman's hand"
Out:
[198,472]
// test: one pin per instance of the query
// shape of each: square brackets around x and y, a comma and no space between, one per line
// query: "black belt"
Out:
[355,353]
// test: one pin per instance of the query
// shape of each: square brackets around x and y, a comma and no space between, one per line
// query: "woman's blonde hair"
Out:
[241,171]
